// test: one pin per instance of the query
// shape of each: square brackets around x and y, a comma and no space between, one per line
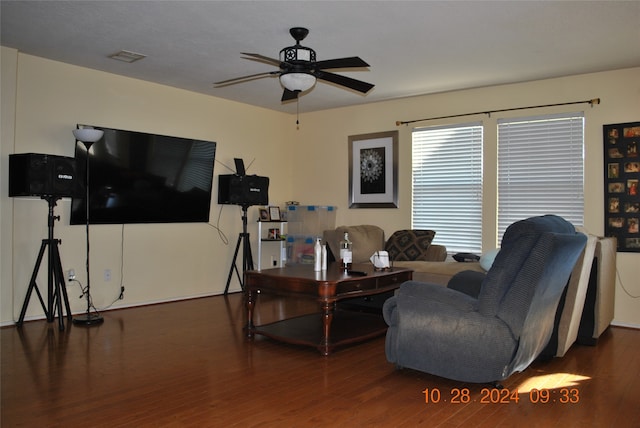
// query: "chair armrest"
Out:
[437,294]
[423,293]
[468,282]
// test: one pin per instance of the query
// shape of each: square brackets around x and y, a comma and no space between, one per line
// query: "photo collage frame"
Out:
[622,176]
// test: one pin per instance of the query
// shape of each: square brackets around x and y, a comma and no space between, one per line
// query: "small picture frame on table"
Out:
[274,213]
[274,234]
[264,214]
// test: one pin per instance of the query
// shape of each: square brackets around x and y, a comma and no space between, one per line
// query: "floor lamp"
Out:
[87,136]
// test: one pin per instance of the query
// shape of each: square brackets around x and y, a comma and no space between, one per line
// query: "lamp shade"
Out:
[297,81]
[88,135]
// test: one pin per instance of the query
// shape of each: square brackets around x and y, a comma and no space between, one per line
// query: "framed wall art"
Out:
[373,170]
[621,177]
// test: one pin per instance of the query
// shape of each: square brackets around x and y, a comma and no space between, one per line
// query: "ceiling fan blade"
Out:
[350,62]
[356,85]
[262,58]
[245,78]
[288,95]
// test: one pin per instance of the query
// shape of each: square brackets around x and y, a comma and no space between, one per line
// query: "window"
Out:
[540,168]
[447,185]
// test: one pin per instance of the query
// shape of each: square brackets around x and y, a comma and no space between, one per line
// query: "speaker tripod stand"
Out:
[56,290]
[247,257]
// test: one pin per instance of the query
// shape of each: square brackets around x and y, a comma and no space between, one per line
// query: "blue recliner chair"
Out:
[488,337]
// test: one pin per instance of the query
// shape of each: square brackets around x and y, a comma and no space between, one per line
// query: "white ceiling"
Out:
[413,47]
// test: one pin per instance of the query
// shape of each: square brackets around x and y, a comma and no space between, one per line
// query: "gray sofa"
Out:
[501,329]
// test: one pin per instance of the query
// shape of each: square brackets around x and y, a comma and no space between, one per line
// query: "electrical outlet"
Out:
[71,274]
[107,274]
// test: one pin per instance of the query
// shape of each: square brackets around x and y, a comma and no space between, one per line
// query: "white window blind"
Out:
[447,185]
[540,168]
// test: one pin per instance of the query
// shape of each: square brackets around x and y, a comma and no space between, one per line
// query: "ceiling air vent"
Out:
[127,56]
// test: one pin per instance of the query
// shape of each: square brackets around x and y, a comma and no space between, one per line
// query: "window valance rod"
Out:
[488,112]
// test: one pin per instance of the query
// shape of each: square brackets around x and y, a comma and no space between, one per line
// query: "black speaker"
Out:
[243,190]
[35,174]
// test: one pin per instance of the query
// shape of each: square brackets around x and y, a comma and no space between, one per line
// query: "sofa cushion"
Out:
[409,244]
[437,272]
[468,282]
[366,240]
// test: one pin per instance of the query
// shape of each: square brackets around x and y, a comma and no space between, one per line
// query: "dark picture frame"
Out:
[373,170]
[264,214]
[621,189]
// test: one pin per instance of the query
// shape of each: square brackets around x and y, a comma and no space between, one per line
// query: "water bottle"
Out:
[324,257]
[317,253]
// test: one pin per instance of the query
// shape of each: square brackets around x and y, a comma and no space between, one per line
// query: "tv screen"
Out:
[135,177]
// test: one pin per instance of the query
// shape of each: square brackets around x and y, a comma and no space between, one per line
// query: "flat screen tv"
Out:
[135,177]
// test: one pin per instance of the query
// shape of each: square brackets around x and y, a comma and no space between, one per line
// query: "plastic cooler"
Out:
[305,223]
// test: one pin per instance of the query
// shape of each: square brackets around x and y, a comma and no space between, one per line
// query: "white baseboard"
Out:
[626,325]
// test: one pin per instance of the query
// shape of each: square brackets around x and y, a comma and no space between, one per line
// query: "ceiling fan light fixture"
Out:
[297,81]
[299,71]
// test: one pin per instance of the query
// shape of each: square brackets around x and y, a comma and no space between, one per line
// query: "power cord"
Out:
[83,289]
[223,237]
[121,296]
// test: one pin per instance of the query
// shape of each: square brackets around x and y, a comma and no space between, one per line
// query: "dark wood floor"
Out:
[187,364]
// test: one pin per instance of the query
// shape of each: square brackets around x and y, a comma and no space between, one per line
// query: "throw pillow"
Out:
[486,260]
[409,244]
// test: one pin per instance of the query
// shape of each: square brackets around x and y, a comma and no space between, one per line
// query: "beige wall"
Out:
[173,261]
[321,151]
[8,61]
[160,262]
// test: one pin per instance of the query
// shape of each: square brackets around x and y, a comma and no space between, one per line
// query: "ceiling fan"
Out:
[299,70]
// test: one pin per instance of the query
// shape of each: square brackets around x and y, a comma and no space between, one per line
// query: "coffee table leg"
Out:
[250,301]
[328,308]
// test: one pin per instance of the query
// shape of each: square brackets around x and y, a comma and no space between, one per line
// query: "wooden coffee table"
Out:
[331,327]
